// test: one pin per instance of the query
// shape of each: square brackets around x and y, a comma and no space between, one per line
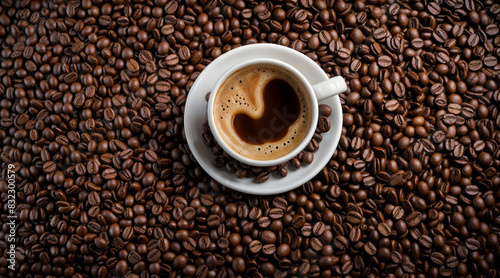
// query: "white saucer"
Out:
[196,110]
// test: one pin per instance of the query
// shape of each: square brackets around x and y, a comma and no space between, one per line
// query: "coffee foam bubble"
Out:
[242,93]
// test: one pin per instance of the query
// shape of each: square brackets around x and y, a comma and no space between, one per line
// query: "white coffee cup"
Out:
[315,92]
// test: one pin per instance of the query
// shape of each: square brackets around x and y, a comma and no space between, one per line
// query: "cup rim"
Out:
[310,93]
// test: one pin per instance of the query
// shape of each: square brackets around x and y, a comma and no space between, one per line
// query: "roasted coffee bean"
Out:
[414,218]
[109,174]
[93,199]
[370,249]
[269,249]
[408,267]
[308,157]
[275,213]
[437,258]
[354,217]
[325,110]
[425,241]
[263,177]
[202,271]
[153,255]
[255,246]
[49,166]
[298,221]
[341,243]
[319,228]
[396,257]
[384,61]
[189,244]
[384,229]
[452,262]
[100,243]
[379,34]
[133,66]
[324,124]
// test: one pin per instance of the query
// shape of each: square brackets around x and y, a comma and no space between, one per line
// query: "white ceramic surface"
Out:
[305,84]
[196,114]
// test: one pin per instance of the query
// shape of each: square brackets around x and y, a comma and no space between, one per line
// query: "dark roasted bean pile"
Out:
[92,98]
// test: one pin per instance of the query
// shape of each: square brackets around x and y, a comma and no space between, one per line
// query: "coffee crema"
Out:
[262,112]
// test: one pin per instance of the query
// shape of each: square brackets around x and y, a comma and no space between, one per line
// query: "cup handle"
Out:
[330,87]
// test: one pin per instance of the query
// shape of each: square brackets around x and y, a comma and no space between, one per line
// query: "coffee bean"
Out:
[223,243]
[370,249]
[121,267]
[384,61]
[268,249]
[396,257]
[325,110]
[452,262]
[308,158]
[399,90]
[414,218]
[153,255]
[262,12]
[434,8]
[283,250]
[344,53]
[391,105]
[425,241]
[150,156]
[202,271]
[162,86]
[439,35]
[94,199]
[298,221]
[133,66]
[384,229]
[354,217]
[49,166]
[379,34]
[100,243]
[408,267]
[355,235]
[263,177]
[204,242]
[264,222]
[445,272]
[213,220]
[189,244]
[319,228]
[275,213]
[397,213]
[184,53]
[324,124]
[437,258]
[472,244]
[340,242]
[255,246]
[109,174]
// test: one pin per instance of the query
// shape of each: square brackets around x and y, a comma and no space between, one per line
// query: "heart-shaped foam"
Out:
[262,111]
[280,110]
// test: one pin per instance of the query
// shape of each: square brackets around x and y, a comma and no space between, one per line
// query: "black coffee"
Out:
[278,96]
[262,112]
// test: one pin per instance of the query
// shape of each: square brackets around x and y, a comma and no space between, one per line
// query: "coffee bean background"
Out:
[92,98]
